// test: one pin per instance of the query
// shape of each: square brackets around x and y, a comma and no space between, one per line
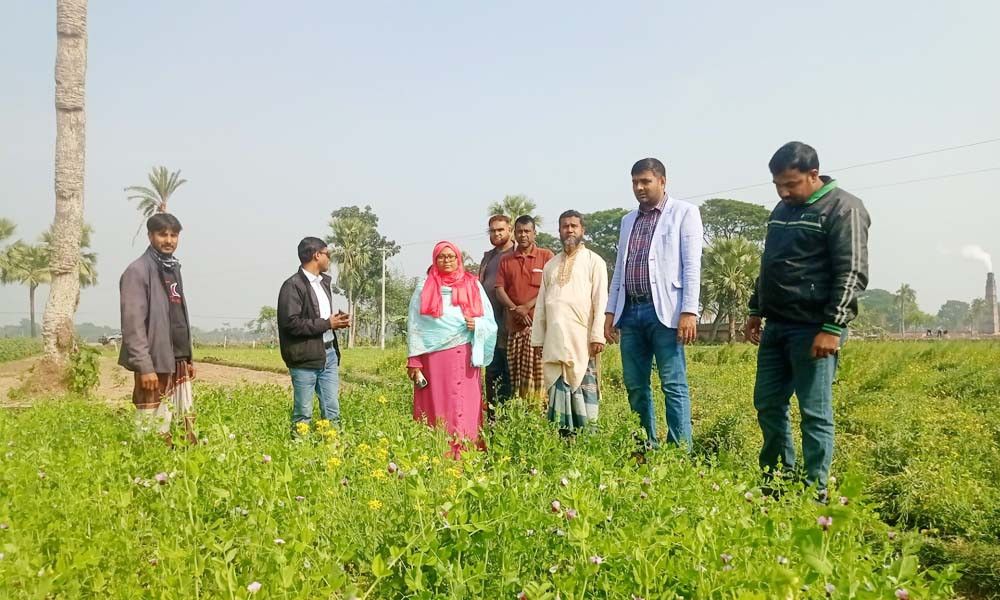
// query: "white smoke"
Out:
[977,253]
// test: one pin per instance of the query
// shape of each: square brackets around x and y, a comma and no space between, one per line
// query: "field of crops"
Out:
[376,512]
[18,348]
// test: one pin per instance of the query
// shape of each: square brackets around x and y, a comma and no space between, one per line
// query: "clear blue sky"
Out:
[429,111]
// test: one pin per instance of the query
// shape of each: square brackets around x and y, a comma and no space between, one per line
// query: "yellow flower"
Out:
[322,425]
[505,458]
[329,434]
[374,504]
[379,474]
[382,400]
[451,489]
[302,428]
[364,447]
[454,472]
[383,454]
[422,458]
[333,462]
[383,442]
[436,460]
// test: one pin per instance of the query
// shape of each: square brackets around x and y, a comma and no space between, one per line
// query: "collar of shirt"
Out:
[312,278]
[531,254]
[829,185]
[658,207]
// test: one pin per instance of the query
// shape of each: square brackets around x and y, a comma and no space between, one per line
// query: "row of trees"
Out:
[30,264]
[883,312]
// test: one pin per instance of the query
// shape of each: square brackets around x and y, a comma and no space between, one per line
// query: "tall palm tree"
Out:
[352,256]
[514,207]
[28,264]
[153,199]
[7,228]
[729,268]
[59,261]
[906,297]
[88,260]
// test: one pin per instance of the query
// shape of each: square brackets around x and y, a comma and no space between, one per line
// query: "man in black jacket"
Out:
[815,264]
[306,333]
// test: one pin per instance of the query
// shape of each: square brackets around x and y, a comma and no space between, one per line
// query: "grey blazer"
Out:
[146,344]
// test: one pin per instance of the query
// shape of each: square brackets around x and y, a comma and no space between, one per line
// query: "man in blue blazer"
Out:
[653,299]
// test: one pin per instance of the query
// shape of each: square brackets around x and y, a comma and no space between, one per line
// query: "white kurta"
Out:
[569,317]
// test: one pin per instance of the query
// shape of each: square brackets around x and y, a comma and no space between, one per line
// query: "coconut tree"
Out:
[352,256]
[59,261]
[153,199]
[28,264]
[514,207]
[7,228]
[729,268]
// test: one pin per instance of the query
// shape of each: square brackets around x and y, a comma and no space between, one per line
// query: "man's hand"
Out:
[825,344]
[470,323]
[149,382]
[751,332]
[596,348]
[191,369]
[340,321]
[687,328]
[522,314]
[610,333]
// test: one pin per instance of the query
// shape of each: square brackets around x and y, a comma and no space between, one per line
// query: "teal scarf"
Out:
[426,334]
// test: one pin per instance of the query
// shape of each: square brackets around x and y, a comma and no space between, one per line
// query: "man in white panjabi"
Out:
[569,326]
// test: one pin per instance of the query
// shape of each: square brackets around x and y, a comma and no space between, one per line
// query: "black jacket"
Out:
[815,262]
[300,328]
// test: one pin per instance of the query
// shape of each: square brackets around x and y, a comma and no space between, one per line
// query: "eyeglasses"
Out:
[447,257]
[326,252]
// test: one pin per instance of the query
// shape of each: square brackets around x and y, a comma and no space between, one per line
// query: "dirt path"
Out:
[116,383]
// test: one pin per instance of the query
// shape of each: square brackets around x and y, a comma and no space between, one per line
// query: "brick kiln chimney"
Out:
[992,318]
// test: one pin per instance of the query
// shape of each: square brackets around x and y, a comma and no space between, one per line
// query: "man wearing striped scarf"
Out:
[815,264]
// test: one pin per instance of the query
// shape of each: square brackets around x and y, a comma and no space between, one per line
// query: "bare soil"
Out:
[116,383]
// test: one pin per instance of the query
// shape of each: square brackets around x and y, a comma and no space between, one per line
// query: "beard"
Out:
[570,242]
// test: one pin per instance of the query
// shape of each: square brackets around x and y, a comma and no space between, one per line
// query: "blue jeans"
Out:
[323,382]
[785,365]
[643,337]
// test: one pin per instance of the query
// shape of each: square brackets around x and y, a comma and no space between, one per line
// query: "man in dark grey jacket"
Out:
[156,333]
[306,333]
[815,264]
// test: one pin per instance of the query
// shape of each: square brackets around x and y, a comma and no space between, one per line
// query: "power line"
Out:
[882,185]
[856,166]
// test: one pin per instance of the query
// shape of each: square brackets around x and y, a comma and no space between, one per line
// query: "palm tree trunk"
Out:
[352,330]
[732,327]
[31,309]
[67,227]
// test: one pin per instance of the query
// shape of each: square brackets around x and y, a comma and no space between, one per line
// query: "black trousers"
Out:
[497,381]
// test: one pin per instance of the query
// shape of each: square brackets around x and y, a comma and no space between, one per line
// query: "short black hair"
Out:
[524,220]
[503,218]
[163,222]
[308,248]
[569,214]
[794,155]
[649,164]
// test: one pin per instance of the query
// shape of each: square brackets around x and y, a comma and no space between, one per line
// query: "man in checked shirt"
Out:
[653,299]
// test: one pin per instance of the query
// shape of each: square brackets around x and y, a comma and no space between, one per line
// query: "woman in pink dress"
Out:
[451,334]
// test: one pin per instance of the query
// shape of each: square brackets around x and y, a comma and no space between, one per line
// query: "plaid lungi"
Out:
[173,396]
[575,409]
[525,364]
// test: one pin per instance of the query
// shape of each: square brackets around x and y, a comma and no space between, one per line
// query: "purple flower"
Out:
[392,468]
[830,589]
[643,495]
[726,557]
[564,482]
[522,596]
[748,496]
[715,487]
[300,498]
[533,472]
[646,481]
[824,522]
[161,478]
[254,587]
[597,560]
[844,500]
[571,514]
[903,594]
[555,506]
[265,459]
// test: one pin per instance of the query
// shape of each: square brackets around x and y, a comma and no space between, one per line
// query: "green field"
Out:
[18,348]
[917,463]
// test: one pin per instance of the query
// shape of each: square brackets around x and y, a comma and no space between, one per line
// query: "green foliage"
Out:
[729,268]
[953,315]
[266,324]
[153,199]
[514,207]
[484,527]
[17,348]
[603,228]
[84,370]
[724,219]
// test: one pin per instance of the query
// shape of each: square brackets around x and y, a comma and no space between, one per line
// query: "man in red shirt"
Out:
[518,280]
